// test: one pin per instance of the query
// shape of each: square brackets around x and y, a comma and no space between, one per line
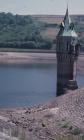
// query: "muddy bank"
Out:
[17,58]
[26,58]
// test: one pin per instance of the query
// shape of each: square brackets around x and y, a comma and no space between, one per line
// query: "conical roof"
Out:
[67,20]
[67,27]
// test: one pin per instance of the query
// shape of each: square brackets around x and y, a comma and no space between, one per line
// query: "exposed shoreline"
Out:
[18,58]
[62,116]
[22,58]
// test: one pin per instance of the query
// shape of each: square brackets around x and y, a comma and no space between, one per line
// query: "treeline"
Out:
[27,45]
[18,31]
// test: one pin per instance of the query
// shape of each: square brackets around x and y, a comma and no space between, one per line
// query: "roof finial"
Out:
[67,2]
[67,27]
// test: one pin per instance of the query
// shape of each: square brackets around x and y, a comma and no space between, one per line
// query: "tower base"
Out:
[72,85]
[62,89]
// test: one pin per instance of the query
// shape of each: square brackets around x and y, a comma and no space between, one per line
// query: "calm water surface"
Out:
[27,85]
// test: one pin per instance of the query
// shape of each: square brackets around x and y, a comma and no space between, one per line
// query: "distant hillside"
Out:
[53,22]
[34,32]
[19,31]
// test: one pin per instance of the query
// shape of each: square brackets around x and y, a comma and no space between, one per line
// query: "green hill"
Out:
[19,31]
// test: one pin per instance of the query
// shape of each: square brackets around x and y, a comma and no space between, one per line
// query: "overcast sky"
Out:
[55,7]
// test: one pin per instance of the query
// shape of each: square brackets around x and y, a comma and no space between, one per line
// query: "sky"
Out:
[50,7]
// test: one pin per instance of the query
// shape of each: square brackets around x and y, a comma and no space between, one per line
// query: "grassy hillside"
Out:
[34,32]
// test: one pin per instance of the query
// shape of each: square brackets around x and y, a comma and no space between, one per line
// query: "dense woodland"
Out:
[18,31]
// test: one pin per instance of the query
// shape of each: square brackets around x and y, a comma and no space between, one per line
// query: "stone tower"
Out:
[67,53]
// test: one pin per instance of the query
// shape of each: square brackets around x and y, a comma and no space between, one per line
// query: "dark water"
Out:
[28,85]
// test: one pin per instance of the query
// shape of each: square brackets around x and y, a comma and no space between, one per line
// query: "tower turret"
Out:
[67,54]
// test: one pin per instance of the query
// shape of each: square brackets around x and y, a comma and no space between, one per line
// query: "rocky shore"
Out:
[62,116]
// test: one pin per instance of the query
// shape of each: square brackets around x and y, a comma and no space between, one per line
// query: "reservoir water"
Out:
[28,85]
